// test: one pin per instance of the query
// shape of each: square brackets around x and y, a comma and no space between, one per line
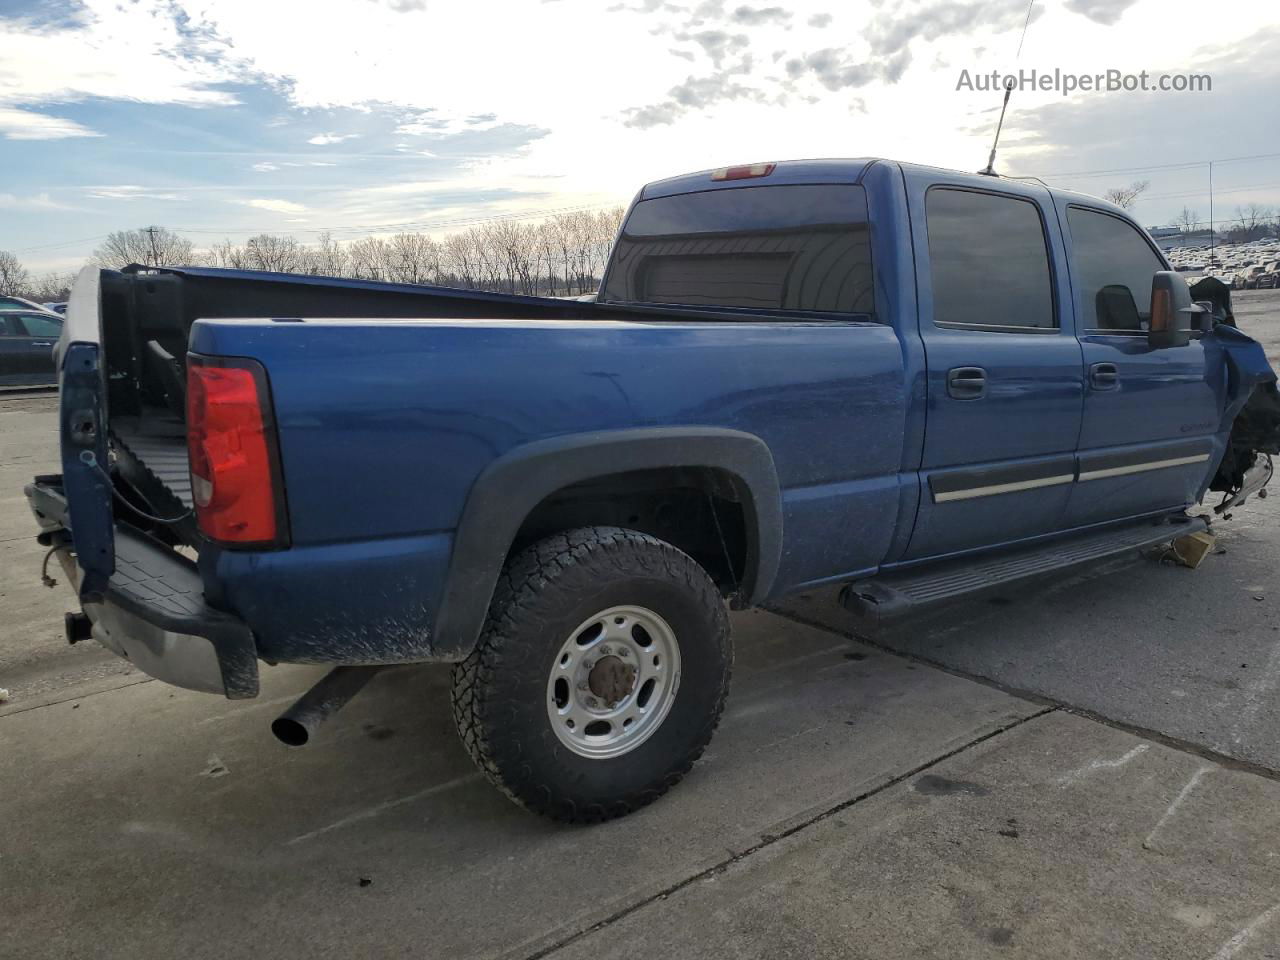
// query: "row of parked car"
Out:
[28,332]
[1244,266]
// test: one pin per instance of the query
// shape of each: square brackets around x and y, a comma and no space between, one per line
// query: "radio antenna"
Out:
[990,170]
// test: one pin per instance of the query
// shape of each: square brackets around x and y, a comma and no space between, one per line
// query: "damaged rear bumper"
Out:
[153,612]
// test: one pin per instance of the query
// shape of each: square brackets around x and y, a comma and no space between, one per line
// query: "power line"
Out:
[1185,165]
[62,243]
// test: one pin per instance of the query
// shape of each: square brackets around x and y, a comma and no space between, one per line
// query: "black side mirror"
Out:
[1171,311]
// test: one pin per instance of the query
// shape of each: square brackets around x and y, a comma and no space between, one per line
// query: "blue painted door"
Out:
[1151,416]
[1005,376]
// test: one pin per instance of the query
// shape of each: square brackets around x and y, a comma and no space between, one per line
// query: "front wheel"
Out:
[600,674]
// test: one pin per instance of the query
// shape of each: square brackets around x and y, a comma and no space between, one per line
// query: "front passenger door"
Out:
[1151,415]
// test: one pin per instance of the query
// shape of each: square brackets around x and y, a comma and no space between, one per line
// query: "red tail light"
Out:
[235,475]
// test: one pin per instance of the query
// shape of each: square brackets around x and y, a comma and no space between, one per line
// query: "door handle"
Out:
[966,383]
[1104,376]
[42,343]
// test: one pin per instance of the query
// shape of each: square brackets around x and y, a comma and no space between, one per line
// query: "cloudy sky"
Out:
[224,118]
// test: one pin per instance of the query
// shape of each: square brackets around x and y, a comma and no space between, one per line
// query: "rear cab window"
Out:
[791,248]
[1112,265]
[989,262]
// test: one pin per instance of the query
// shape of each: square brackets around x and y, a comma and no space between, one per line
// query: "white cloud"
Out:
[854,90]
[18,124]
[133,51]
[276,206]
[128,192]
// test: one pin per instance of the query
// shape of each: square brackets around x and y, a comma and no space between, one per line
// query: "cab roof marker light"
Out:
[745,172]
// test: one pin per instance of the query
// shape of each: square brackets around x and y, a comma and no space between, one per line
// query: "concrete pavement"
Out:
[159,823]
[1190,654]
[1061,838]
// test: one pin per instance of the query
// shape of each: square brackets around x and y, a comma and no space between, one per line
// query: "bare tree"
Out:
[228,255]
[328,258]
[412,258]
[562,255]
[1126,197]
[149,246]
[462,259]
[1188,221]
[368,258]
[51,287]
[274,252]
[1252,216]
[14,279]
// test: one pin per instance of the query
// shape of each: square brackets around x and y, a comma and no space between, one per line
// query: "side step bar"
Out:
[893,595]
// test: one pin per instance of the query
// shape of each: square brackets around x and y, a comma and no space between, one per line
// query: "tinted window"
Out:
[989,261]
[1113,267]
[8,303]
[797,247]
[38,326]
[9,327]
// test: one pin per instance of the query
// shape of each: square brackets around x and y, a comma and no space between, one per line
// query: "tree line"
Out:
[560,256]
[563,255]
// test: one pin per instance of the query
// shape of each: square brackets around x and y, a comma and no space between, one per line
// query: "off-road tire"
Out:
[499,692]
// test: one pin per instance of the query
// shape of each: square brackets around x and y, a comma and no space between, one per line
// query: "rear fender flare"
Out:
[513,485]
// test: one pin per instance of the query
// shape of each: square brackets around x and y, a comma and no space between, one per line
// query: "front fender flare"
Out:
[511,486]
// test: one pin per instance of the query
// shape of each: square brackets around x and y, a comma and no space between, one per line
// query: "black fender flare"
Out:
[509,488]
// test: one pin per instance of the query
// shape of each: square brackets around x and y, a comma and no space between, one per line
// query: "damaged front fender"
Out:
[1252,412]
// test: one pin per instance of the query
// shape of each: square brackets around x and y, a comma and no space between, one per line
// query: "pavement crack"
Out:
[75,697]
[1146,733]
[768,840]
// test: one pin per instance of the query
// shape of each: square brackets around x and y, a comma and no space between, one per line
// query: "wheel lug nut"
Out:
[588,664]
[584,686]
[606,650]
[623,652]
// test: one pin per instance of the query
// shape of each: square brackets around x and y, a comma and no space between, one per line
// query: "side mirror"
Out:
[1207,317]
[1171,311]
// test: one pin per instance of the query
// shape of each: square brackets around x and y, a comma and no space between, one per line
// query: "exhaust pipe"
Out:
[296,725]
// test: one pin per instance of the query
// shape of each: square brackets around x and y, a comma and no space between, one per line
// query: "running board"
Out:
[896,594]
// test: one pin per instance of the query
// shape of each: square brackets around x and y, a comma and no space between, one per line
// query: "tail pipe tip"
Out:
[297,725]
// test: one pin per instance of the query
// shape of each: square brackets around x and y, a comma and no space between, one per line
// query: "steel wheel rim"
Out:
[596,708]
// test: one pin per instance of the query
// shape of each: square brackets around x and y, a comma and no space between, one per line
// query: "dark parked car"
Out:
[26,347]
[8,302]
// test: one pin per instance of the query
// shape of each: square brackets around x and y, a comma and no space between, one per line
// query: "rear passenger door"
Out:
[14,351]
[1150,415]
[40,333]
[1005,379]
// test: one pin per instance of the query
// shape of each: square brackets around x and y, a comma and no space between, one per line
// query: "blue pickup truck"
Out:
[912,382]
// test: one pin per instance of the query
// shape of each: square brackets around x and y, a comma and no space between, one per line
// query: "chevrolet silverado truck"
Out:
[910,382]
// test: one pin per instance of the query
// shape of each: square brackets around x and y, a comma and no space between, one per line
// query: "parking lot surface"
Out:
[1080,768]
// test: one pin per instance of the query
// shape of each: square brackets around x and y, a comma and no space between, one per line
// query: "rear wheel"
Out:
[600,674]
